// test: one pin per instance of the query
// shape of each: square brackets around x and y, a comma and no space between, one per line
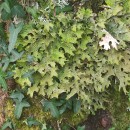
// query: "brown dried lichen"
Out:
[3,96]
[11,83]
[2,119]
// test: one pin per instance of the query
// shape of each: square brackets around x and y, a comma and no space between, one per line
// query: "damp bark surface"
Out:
[102,120]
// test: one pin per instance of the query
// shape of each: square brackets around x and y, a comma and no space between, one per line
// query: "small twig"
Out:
[71,126]
[58,125]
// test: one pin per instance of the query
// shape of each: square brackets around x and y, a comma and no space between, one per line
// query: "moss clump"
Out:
[117,105]
[35,111]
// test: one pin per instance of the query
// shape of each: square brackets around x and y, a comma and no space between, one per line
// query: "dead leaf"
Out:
[107,40]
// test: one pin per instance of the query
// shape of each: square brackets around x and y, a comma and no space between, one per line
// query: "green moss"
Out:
[117,105]
[40,115]
[35,111]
